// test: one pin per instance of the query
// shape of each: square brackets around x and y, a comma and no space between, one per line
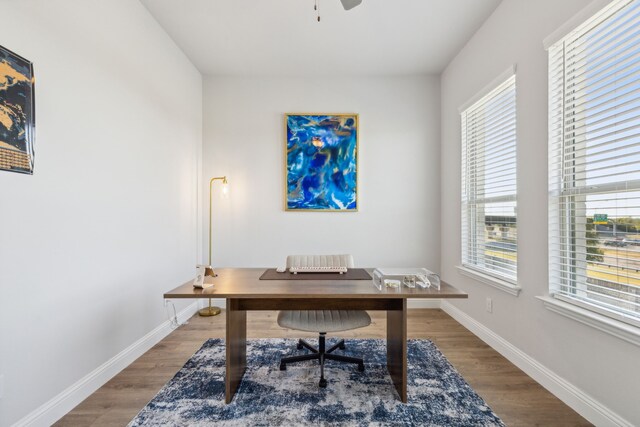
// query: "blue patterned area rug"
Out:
[437,394]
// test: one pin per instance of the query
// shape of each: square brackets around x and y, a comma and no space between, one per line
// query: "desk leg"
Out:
[397,348]
[236,343]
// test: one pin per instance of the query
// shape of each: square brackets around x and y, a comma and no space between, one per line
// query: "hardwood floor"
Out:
[515,397]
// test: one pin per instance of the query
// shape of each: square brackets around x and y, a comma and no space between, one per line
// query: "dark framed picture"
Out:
[321,160]
[17,113]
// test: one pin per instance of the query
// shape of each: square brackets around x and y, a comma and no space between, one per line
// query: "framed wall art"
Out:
[321,162]
[17,113]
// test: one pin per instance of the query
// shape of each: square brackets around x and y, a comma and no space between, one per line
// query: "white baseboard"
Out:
[578,400]
[64,402]
[594,411]
[423,303]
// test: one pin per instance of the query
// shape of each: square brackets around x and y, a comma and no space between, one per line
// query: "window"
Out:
[594,164]
[489,233]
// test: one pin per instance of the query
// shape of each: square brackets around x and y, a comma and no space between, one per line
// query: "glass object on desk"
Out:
[388,284]
[409,277]
[392,284]
[380,274]
[428,280]
[409,281]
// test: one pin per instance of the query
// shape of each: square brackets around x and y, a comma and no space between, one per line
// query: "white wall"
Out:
[399,179]
[108,222]
[602,366]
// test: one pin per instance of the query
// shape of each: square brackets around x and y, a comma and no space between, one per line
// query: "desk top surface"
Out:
[245,283]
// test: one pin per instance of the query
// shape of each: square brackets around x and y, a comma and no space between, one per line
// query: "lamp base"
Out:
[209,311]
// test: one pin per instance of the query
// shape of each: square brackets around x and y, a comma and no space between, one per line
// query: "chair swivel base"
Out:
[321,355]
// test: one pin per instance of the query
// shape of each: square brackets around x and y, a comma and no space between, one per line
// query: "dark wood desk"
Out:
[244,291]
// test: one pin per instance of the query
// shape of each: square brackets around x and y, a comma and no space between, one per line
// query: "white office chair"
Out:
[322,321]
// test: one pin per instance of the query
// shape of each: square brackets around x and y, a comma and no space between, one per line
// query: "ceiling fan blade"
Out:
[350,4]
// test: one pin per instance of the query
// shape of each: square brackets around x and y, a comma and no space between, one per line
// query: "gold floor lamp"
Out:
[212,311]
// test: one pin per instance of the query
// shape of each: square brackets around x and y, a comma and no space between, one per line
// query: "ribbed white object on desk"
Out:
[319,263]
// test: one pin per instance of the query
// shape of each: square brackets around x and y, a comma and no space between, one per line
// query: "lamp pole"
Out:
[212,311]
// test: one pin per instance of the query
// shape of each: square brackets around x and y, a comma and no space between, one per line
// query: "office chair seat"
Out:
[323,320]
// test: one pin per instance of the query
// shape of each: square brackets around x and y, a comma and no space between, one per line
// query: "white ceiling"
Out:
[282,37]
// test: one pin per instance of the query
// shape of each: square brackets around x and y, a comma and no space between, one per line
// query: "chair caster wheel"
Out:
[342,346]
[300,346]
[361,367]
[283,367]
[323,383]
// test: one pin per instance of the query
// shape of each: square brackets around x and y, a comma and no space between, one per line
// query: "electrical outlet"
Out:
[489,305]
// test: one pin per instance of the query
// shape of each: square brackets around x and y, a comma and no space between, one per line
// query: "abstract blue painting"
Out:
[322,162]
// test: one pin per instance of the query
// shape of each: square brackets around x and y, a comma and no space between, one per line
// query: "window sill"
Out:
[503,285]
[606,324]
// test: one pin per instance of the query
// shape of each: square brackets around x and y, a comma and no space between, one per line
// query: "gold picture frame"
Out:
[321,162]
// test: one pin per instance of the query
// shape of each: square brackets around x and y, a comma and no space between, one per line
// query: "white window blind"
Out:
[489,233]
[594,163]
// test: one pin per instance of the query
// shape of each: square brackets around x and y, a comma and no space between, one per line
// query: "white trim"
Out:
[579,401]
[594,411]
[503,285]
[423,303]
[489,87]
[60,405]
[574,22]
[603,323]
[609,311]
